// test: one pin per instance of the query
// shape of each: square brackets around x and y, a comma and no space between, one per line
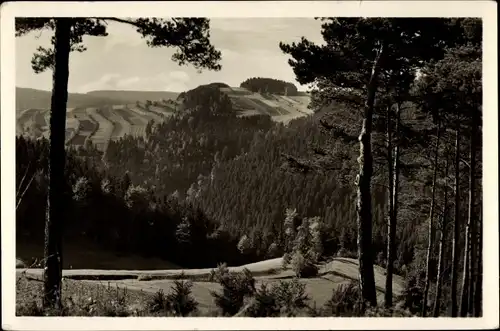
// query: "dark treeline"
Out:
[269,85]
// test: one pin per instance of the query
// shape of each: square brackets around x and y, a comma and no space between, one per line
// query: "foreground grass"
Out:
[81,298]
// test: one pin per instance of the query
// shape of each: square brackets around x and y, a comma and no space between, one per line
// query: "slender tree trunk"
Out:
[478,290]
[394,186]
[472,218]
[442,242]
[456,227]
[431,224]
[55,203]
[390,243]
[467,271]
[364,210]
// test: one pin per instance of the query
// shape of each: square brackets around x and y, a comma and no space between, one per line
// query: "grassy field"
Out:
[137,287]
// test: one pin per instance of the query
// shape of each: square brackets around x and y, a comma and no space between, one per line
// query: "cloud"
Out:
[176,75]
[127,82]
[120,34]
[106,82]
[175,81]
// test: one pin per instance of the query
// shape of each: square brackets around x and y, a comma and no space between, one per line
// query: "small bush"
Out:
[264,304]
[158,302]
[144,277]
[291,296]
[286,298]
[113,304]
[32,308]
[303,266]
[342,252]
[385,312]
[180,300]
[273,251]
[345,301]
[413,293]
[218,273]
[286,261]
[235,288]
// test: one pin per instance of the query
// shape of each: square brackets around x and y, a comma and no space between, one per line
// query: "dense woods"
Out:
[388,168]
[269,85]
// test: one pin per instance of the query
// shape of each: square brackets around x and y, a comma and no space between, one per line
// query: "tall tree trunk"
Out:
[395,174]
[394,214]
[431,224]
[364,208]
[478,290]
[473,263]
[55,203]
[390,233]
[456,227]
[442,242]
[467,280]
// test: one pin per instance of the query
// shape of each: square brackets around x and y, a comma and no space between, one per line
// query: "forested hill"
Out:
[269,85]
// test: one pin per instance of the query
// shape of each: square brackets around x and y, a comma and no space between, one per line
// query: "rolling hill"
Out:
[134,96]
[27,98]
[100,116]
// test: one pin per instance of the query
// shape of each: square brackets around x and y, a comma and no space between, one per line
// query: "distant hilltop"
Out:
[27,98]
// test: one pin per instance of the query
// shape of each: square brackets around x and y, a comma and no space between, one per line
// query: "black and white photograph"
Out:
[284,160]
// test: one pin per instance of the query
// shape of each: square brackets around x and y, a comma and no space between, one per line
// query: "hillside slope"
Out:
[39,99]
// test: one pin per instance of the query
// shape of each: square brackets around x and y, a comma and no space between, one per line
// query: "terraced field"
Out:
[102,135]
[143,113]
[137,124]
[120,126]
[112,122]
[280,108]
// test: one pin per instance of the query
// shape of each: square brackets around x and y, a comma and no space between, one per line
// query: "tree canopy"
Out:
[190,36]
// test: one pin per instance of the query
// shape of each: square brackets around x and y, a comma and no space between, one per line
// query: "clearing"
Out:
[331,274]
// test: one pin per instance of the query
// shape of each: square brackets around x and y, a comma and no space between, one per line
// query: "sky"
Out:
[123,61]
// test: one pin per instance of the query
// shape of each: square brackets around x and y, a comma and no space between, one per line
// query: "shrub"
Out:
[286,261]
[235,288]
[144,277]
[158,302]
[291,296]
[219,272]
[413,293]
[264,304]
[342,252]
[345,301]
[273,251]
[180,300]
[286,298]
[32,308]
[244,244]
[303,266]
[386,312]
[111,303]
